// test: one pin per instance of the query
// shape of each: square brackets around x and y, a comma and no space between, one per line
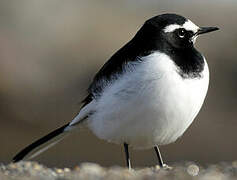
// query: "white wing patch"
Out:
[188,25]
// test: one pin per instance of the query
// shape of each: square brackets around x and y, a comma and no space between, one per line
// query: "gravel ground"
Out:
[89,171]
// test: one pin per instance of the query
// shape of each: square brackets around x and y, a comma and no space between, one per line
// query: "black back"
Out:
[149,38]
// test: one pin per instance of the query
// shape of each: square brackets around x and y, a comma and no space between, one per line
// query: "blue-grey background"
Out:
[51,49]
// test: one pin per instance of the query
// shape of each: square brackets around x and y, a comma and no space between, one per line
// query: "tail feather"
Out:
[38,146]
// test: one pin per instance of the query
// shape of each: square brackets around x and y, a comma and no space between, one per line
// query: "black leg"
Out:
[159,156]
[127,155]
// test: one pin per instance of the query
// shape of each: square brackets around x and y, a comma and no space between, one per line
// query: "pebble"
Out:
[37,167]
[193,170]
[234,164]
[91,171]
[66,170]
[59,170]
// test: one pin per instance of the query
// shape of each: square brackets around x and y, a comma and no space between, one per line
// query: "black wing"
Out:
[113,66]
[139,46]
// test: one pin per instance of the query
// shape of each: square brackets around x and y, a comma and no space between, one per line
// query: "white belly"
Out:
[150,105]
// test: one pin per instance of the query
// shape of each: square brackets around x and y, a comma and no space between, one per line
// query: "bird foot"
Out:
[164,167]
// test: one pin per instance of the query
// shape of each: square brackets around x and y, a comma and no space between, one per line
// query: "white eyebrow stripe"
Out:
[172,28]
[188,25]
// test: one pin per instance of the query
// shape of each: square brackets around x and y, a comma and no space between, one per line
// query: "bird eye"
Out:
[181,33]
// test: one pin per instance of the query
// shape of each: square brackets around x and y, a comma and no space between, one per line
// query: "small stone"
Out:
[13,166]
[29,164]
[91,169]
[193,170]
[6,172]
[54,174]
[59,171]
[66,170]
[234,164]
[37,167]
[77,168]
[157,167]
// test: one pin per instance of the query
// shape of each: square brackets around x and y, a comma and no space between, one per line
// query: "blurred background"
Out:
[50,51]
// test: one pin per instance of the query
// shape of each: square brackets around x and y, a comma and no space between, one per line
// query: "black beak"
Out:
[204,30]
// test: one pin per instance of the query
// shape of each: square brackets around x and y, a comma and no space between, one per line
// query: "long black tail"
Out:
[42,144]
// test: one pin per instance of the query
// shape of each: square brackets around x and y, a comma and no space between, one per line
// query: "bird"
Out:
[147,94]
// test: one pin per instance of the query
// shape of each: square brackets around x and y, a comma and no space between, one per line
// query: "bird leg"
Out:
[127,156]
[161,163]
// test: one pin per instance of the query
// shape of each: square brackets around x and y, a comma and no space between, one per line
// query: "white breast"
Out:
[148,105]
